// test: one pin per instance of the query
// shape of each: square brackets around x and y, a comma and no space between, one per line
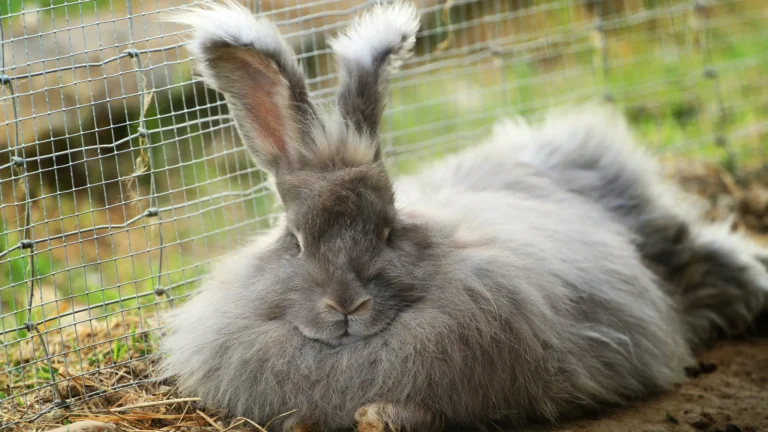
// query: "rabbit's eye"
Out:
[296,239]
[387,235]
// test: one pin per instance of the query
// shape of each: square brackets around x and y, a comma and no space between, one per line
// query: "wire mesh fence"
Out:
[122,177]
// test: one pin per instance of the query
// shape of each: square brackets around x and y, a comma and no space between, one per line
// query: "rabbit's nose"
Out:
[355,307]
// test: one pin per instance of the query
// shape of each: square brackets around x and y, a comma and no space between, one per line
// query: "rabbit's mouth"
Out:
[345,338]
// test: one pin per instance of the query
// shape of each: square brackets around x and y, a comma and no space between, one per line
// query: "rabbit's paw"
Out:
[294,424]
[389,417]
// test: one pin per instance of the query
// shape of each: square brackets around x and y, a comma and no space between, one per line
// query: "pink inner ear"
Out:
[265,105]
[257,85]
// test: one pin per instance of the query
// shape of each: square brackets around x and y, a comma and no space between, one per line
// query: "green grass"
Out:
[661,86]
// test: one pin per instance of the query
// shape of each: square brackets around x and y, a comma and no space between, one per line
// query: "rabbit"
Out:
[536,277]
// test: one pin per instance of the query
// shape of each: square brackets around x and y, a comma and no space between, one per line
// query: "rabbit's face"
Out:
[346,265]
[349,265]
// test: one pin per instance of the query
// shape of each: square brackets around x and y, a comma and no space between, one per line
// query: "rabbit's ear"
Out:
[247,60]
[367,52]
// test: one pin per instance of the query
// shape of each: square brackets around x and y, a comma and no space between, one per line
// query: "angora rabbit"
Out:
[536,277]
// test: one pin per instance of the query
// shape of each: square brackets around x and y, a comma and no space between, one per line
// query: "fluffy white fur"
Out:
[232,23]
[591,151]
[382,29]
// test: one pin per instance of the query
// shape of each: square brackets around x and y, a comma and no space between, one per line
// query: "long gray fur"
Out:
[539,276]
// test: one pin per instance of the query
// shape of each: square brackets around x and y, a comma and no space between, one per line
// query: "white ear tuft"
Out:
[375,45]
[231,23]
[385,31]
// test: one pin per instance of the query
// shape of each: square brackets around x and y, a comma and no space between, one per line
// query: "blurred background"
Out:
[122,177]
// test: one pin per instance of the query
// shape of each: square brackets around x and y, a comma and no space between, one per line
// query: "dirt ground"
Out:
[727,393]
[733,397]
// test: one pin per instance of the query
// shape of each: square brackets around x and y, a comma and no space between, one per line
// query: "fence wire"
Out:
[122,177]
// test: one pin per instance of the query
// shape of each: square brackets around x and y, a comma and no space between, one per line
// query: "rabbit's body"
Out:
[527,278]
[527,311]
[717,278]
